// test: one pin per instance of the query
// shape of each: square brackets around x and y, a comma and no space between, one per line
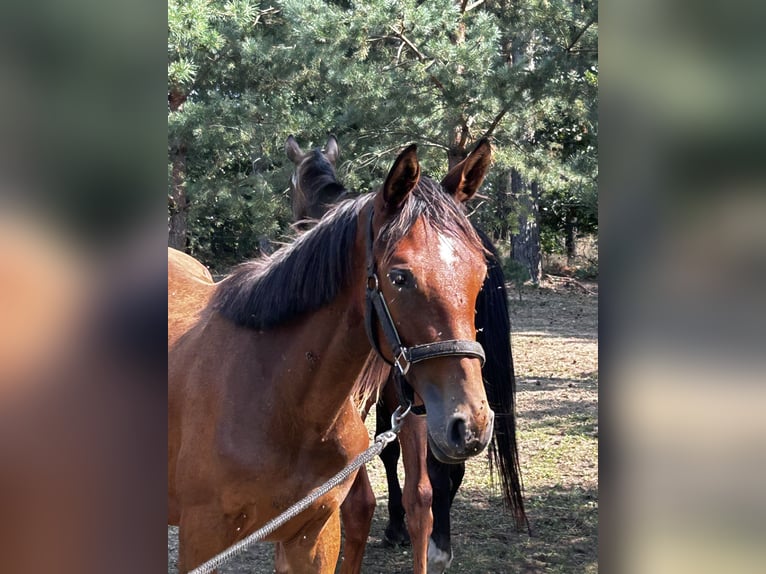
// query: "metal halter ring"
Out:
[402,358]
[398,417]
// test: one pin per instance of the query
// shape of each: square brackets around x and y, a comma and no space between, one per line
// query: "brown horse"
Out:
[429,482]
[261,366]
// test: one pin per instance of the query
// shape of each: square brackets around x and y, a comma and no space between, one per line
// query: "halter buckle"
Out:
[402,359]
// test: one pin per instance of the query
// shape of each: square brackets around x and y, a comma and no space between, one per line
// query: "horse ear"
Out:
[402,179]
[331,149]
[465,178]
[293,150]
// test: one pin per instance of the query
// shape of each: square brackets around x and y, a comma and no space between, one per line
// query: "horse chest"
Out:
[268,480]
[286,449]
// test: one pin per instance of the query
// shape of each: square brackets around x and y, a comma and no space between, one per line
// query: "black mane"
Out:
[300,277]
[308,273]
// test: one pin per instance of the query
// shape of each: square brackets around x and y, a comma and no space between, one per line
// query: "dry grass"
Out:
[583,265]
[556,358]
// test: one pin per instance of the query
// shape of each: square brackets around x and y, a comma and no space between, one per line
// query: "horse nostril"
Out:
[457,432]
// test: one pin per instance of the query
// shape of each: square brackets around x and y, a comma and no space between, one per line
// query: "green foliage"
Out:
[379,75]
[232,224]
[551,240]
[516,273]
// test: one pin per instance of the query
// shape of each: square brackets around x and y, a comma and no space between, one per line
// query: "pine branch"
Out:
[476,207]
[264,12]
[577,37]
[367,159]
[406,135]
[561,278]
[472,5]
[463,139]
[420,55]
[496,121]
[412,46]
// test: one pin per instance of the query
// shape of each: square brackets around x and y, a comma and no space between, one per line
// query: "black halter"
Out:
[404,357]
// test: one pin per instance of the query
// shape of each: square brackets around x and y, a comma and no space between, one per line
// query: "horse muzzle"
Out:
[457,437]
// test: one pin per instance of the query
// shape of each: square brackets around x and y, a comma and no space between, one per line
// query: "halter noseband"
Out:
[404,357]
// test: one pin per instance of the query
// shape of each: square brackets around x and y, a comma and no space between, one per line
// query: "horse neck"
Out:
[328,351]
[323,198]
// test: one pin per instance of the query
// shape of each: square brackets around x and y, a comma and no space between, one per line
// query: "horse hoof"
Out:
[438,560]
[394,537]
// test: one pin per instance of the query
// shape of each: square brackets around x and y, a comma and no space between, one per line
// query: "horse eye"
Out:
[401,277]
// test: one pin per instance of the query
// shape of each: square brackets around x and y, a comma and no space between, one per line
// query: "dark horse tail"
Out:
[494,333]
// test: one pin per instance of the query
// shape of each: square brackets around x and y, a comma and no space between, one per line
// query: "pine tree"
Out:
[379,75]
[223,93]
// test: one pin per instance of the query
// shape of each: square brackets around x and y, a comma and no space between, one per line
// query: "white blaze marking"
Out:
[447,250]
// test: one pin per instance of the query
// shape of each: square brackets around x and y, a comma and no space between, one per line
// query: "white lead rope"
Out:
[378,445]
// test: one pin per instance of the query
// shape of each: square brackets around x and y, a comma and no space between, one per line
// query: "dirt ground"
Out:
[555,350]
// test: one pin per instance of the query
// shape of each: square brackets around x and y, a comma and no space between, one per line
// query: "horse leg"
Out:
[356,515]
[315,549]
[445,480]
[396,531]
[456,474]
[417,496]
[203,531]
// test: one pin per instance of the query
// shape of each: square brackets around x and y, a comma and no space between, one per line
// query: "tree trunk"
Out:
[503,207]
[569,232]
[178,202]
[455,154]
[459,136]
[525,244]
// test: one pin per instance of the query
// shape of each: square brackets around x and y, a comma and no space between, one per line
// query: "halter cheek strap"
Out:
[404,357]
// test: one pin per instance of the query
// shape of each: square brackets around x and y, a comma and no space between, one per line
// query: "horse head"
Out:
[313,185]
[428,265]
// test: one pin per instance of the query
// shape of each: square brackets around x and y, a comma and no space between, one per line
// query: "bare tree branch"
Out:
[473,5]
[577,37]
[496,121]
[412,46]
